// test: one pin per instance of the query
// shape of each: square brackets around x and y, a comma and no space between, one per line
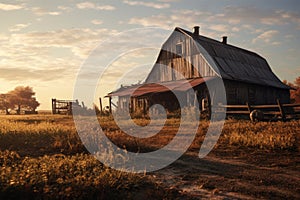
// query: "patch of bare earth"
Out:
[229,171]
[234,174]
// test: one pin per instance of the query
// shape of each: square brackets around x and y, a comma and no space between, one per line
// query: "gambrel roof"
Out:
[235,63]
[227,61]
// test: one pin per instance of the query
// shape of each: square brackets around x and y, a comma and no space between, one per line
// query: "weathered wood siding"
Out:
[171,65]
[244,74]
[240,93]
[123,102]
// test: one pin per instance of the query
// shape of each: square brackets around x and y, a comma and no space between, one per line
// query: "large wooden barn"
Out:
[188,55]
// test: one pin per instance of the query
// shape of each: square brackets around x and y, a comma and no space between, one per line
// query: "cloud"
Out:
[41,11]
[17,74]
[8,7]
[266,37]
[155,20]
[183,18]
[147,4]
[219,27]
[235,29]
[85,5]
[281,17]
[276,43]
[90,5]
[18,27]
[47,55]
[168,1]
[252,14]
[229,21]
[97,22]
[136,66]
[68,38]
[242,13]
[289,36]
[64,8]
[186,19]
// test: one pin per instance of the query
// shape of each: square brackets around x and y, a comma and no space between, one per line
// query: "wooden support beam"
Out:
[269,110]
[100,101]
[264,106]
[238,112]
[291,105]
[195,97]
[209,106]
[70,108]
[281,109]
[112,103]
[144,107]
[233,106]
[249,107]
[109,99]
[53,106]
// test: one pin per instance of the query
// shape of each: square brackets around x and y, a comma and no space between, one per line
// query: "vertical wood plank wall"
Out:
[191,64]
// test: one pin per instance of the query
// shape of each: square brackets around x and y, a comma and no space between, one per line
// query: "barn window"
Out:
[179,49]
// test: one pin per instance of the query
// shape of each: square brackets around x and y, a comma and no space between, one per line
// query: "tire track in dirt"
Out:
[229,178]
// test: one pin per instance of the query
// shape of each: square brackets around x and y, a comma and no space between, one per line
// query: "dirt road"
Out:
[234,174]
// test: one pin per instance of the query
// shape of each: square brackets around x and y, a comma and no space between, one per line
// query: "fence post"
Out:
[249,107]
[100,101]
[109,100]
[281,109]
[70,111]
[53,106]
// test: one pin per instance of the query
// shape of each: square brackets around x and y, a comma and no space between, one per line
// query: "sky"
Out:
[45,44]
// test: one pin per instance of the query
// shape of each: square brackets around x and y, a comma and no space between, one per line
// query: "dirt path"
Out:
[254,176]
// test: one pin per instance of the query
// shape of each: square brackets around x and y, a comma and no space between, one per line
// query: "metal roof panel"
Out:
[144,89]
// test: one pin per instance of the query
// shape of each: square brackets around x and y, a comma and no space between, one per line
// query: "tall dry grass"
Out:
[42,157]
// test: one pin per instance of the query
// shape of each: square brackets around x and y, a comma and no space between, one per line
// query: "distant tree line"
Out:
[18,100]
[295,92]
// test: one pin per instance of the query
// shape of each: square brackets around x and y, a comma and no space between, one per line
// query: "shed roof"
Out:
[152,88]
[238,64]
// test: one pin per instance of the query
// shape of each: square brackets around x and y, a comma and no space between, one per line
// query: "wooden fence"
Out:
[63,106]
[276,111]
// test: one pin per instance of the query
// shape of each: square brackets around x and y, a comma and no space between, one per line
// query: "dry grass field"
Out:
[42,157]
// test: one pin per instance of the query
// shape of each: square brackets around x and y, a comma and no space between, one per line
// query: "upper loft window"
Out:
[179,50]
